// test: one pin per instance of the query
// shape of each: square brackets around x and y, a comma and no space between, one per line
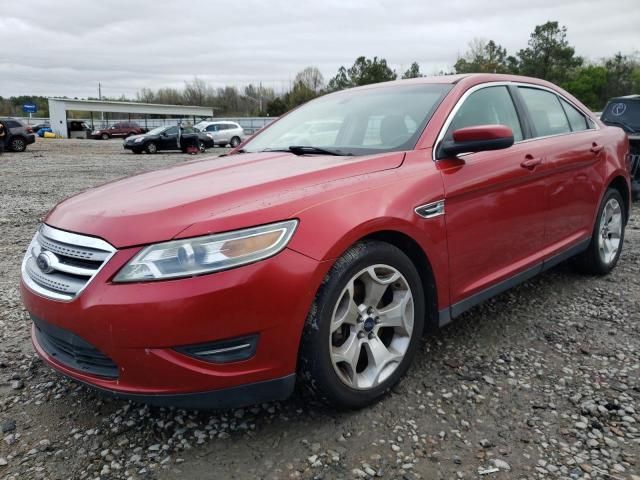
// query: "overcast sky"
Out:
[66,47]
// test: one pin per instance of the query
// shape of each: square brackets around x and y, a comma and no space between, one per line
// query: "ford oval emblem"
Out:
[44,262]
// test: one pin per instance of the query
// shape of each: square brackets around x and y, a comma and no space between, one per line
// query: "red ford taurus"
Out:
[327,244]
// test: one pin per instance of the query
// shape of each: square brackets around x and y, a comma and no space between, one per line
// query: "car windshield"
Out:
[625,114]
[356,122]
[157,130]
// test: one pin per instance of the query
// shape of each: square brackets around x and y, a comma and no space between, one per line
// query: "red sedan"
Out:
[326,245]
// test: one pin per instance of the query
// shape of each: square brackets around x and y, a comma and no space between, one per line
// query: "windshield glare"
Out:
[157,130]
[356,122]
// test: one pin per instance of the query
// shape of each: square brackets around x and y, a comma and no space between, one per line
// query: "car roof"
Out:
[466,78]
[634,97]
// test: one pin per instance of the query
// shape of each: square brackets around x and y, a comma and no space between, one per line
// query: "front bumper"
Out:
[139,325]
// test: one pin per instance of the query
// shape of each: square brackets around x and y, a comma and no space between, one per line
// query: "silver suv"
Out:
[223,132]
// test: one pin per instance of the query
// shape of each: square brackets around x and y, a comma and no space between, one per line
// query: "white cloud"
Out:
[65,48]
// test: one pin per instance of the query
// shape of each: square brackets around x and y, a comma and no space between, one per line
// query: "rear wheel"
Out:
[18,144]
[202,147]
[235,141]
[104,136]
[364,326]
[608,236]
[151,148]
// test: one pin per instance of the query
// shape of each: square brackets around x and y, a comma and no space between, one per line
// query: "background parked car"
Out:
[18,136]
[78,129]
[121,129]
[624,112]
[223,132]
[39,126]
[165,138]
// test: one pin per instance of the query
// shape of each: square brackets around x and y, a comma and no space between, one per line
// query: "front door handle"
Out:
[595,148]
[530,162]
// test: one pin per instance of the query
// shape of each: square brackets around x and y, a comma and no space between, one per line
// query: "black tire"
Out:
[104,136]
[235,141]
[315,367]
[591,261]
[151,148]
[17,144]
[202,147]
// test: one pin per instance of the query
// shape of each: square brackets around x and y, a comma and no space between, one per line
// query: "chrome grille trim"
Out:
[430,210]
[73,260]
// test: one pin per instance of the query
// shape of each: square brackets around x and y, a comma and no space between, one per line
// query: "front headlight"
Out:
[139,139]
[211,253]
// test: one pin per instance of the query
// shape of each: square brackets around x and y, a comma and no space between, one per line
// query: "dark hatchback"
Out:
[166,138]
[624,112]
[18,134]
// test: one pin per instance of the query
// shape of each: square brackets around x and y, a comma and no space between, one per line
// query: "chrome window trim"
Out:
[71,239]
[475,88]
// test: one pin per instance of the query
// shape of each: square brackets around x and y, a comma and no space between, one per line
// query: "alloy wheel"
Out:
[371,327]
[18,145]
[610,231]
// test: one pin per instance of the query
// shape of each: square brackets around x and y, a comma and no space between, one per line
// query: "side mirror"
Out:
[477,139]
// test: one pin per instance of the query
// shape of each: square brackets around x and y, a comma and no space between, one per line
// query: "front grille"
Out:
[72,351]
[59,264]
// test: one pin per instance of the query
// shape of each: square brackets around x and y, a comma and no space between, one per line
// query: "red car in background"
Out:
[215,283]
[118,130]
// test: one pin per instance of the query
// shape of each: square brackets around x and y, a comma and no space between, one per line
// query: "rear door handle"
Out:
[595,148]
[530,162]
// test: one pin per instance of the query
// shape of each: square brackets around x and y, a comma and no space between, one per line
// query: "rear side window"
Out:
[546,112]
[488,106]
[577,120]
[12,124]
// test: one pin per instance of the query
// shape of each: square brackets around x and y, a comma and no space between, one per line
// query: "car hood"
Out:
[236,191]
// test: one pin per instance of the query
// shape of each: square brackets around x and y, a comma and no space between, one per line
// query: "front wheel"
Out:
[151,148]
[364,326]
[608,236]
[104,136]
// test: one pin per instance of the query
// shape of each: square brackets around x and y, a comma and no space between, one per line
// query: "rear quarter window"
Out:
[577,120]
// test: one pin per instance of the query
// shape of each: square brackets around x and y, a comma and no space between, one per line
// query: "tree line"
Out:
[548,55]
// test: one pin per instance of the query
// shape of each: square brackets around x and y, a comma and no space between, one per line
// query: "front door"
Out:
[169,139]
[494,203]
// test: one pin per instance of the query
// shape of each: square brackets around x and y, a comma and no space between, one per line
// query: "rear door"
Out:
[494,202]
[572,146]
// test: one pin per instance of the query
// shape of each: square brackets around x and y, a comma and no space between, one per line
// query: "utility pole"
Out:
[100,98]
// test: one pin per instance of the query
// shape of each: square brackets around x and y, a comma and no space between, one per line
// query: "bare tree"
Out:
[311,78]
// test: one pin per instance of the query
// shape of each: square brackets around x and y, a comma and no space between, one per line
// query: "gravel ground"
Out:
[542,382]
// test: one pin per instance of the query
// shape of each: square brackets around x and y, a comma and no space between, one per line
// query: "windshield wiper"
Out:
[302,149]
[625,125]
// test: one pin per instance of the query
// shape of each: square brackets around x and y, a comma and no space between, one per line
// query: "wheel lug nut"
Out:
[370,310]
[360,334]
[377,319]
[372,335]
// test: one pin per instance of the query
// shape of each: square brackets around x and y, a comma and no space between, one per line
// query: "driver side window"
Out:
[487,106]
